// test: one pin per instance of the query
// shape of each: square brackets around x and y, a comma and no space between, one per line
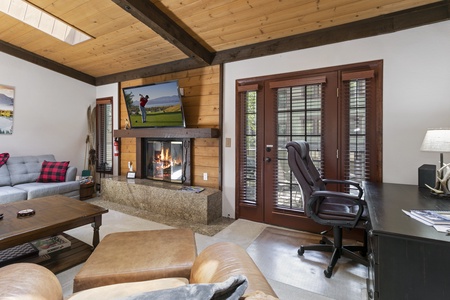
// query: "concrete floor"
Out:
[291,276]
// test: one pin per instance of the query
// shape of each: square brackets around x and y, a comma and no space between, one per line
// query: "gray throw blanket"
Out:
[231,289]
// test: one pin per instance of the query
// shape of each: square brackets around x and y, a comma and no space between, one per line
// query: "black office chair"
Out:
[337,209]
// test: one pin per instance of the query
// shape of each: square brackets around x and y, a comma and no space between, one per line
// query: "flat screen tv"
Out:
[154,105]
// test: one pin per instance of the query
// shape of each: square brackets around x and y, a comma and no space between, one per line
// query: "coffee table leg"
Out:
[96,225]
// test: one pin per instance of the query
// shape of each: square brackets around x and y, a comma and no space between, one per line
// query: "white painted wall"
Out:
[49,112]
[416,94]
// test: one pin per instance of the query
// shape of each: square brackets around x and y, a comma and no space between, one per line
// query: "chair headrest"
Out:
[304,149]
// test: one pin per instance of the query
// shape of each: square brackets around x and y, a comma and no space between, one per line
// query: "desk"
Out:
[408,260]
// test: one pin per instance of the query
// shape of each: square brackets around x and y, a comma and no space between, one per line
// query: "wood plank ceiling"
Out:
[140,38]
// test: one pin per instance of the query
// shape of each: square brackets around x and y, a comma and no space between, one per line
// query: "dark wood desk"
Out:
[408,259]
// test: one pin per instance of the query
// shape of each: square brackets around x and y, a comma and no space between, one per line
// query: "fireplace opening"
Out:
[166,160]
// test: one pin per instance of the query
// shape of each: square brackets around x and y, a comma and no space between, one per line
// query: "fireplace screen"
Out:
[164,160]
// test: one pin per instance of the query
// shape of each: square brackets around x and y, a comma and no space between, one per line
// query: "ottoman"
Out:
[137,256]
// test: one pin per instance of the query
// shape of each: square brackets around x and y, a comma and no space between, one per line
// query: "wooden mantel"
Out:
[168,133]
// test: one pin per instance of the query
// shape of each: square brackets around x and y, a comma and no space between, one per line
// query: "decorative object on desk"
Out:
[438,140]
[441,187]
[51,244]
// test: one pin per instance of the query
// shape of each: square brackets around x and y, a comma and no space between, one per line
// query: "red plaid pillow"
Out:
[3,158]
[53,171]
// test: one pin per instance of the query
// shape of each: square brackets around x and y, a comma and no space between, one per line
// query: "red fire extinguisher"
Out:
[116,147]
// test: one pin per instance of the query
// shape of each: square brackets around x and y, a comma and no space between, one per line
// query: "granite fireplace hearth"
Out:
[164,198]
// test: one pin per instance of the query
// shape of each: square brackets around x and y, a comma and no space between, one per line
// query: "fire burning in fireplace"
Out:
[164,160]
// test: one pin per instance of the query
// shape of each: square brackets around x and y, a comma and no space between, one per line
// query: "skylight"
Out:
[39,19]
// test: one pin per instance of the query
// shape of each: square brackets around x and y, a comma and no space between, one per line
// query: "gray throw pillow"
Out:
[231,289]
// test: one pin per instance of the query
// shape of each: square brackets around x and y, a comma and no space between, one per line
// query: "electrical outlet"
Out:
[205,176]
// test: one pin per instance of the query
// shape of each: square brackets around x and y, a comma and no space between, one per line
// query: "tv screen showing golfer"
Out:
[154,105]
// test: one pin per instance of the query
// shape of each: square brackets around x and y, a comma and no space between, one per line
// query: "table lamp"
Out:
[438,140]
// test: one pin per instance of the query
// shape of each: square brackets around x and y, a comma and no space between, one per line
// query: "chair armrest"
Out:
[348,182]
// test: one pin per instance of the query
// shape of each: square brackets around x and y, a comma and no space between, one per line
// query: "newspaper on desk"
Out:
[439,228]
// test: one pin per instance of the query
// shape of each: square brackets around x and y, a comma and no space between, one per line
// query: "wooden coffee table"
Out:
[53,215]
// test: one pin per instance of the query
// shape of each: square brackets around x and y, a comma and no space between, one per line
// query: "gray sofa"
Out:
[18,180]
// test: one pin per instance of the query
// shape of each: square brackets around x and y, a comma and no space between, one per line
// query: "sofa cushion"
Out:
[53,171]
[24,169]
[10,194]
[42,189]
[3,158]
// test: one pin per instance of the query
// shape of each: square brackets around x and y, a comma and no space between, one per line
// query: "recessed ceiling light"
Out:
[39,19]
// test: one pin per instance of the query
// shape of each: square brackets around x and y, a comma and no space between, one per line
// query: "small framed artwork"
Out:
[6,109]
[131,175]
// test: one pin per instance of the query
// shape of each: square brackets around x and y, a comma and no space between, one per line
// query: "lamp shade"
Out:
[436,140]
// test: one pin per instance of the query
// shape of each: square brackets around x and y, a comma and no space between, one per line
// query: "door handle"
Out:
[268,159]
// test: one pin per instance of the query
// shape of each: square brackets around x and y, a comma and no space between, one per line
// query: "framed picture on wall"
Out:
[6,109]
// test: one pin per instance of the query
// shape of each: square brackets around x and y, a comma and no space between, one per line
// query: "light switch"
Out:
[227,142]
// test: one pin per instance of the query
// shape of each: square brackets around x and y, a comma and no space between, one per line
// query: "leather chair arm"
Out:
[348,182]
[29,282]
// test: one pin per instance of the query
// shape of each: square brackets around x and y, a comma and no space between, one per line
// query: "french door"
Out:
[337,110]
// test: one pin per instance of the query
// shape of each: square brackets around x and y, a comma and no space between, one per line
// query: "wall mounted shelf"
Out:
[168,133]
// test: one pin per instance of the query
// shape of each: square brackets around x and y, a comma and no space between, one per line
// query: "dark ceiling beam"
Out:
[170,67]
[389,23]
[149,14]
[45,63]
[385,24]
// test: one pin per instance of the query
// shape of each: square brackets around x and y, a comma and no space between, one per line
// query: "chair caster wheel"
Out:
[301,251]
[327,273]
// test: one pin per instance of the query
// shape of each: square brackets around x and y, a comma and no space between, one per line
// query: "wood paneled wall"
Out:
[201,102]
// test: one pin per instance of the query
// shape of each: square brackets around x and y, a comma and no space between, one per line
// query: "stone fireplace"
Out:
[159,196]
[186,135]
